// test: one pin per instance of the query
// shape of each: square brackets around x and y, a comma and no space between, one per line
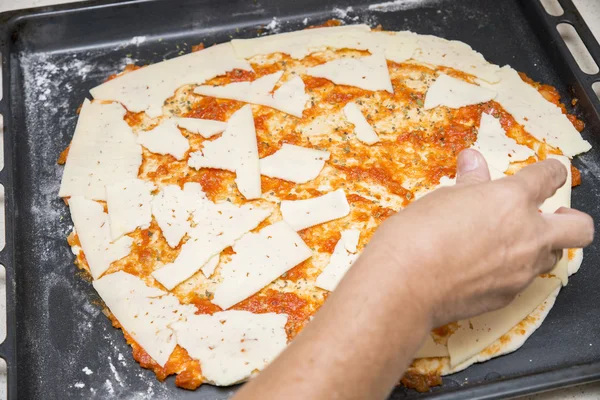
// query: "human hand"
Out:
[481,242]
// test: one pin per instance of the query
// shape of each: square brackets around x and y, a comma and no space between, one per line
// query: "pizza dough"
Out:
[242,181]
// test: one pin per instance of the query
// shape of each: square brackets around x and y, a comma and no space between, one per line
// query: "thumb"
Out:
[471,168]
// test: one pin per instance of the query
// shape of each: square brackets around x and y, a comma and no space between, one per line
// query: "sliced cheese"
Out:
[259,259]
[368,72]
[455,93]
[236,150]
[128,204]
[165,138]
[172,208]
[144,312]
[575,262]
[294,163]
[477,333]
[204,127]
[232,345]
[91,223]
[561,198]
[397,46]
[289,98]
[218,226]
[147,88]
[436,51]
[363,130]
[498,149]
[103,151]
[430,348]
[341,260]
[541,118]
[302,214]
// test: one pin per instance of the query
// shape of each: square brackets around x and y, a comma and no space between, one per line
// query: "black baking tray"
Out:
[52,56]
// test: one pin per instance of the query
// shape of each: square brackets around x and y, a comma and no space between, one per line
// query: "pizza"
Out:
[218,197]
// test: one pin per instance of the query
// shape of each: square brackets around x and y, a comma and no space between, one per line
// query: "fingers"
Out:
[549,260]
[542,179]
[568,228]
[471,168]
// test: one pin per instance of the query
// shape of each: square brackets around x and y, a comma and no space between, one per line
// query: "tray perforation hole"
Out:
[577,48]
[596,87]
[552,7]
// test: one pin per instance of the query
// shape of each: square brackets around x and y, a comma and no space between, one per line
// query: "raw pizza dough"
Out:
[284,149]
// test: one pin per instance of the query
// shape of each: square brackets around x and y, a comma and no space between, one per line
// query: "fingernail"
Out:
[467,161]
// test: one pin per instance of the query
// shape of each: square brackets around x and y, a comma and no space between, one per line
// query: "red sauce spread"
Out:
[297,308]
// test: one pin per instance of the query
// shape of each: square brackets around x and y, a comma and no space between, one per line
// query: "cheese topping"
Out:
[236,150]
[302,214]
[204,127]
[91,223]
[103,150]
[128,204]
[289,98]
[561,198]
[147,88]
[218,226]
[369,72]
[172,209]
[165,138]
[498,149]
[232,345]
[455,93]
[146,313]
[430,348]
[259,259]
[294,163]
[541,118]
[477,333]
[397,46]
[341,260]
[434,50]
[363,130]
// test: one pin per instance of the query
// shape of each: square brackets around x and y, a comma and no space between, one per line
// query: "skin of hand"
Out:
[457,252]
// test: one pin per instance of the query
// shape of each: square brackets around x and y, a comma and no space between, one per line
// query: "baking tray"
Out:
[60,345]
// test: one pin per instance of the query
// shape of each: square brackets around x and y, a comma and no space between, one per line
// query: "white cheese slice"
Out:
[289,98]
[434,50]
[475,334]
[165,138]
[368,72]
[103,151]
[91,223]
[341,260]
[147,88]
[232,345]
[363,130]
[128,204]
[542,119]
[209,268]
[218,226]
[561,198]
[259,259]
[144,312]
[430,348]
[498,149]
[397,46]
[455,93]
[236,150]
[204,127]
[575,263]
[302,214]
[172,209]
[294,163]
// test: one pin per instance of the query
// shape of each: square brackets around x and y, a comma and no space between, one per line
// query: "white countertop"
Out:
[590,9]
